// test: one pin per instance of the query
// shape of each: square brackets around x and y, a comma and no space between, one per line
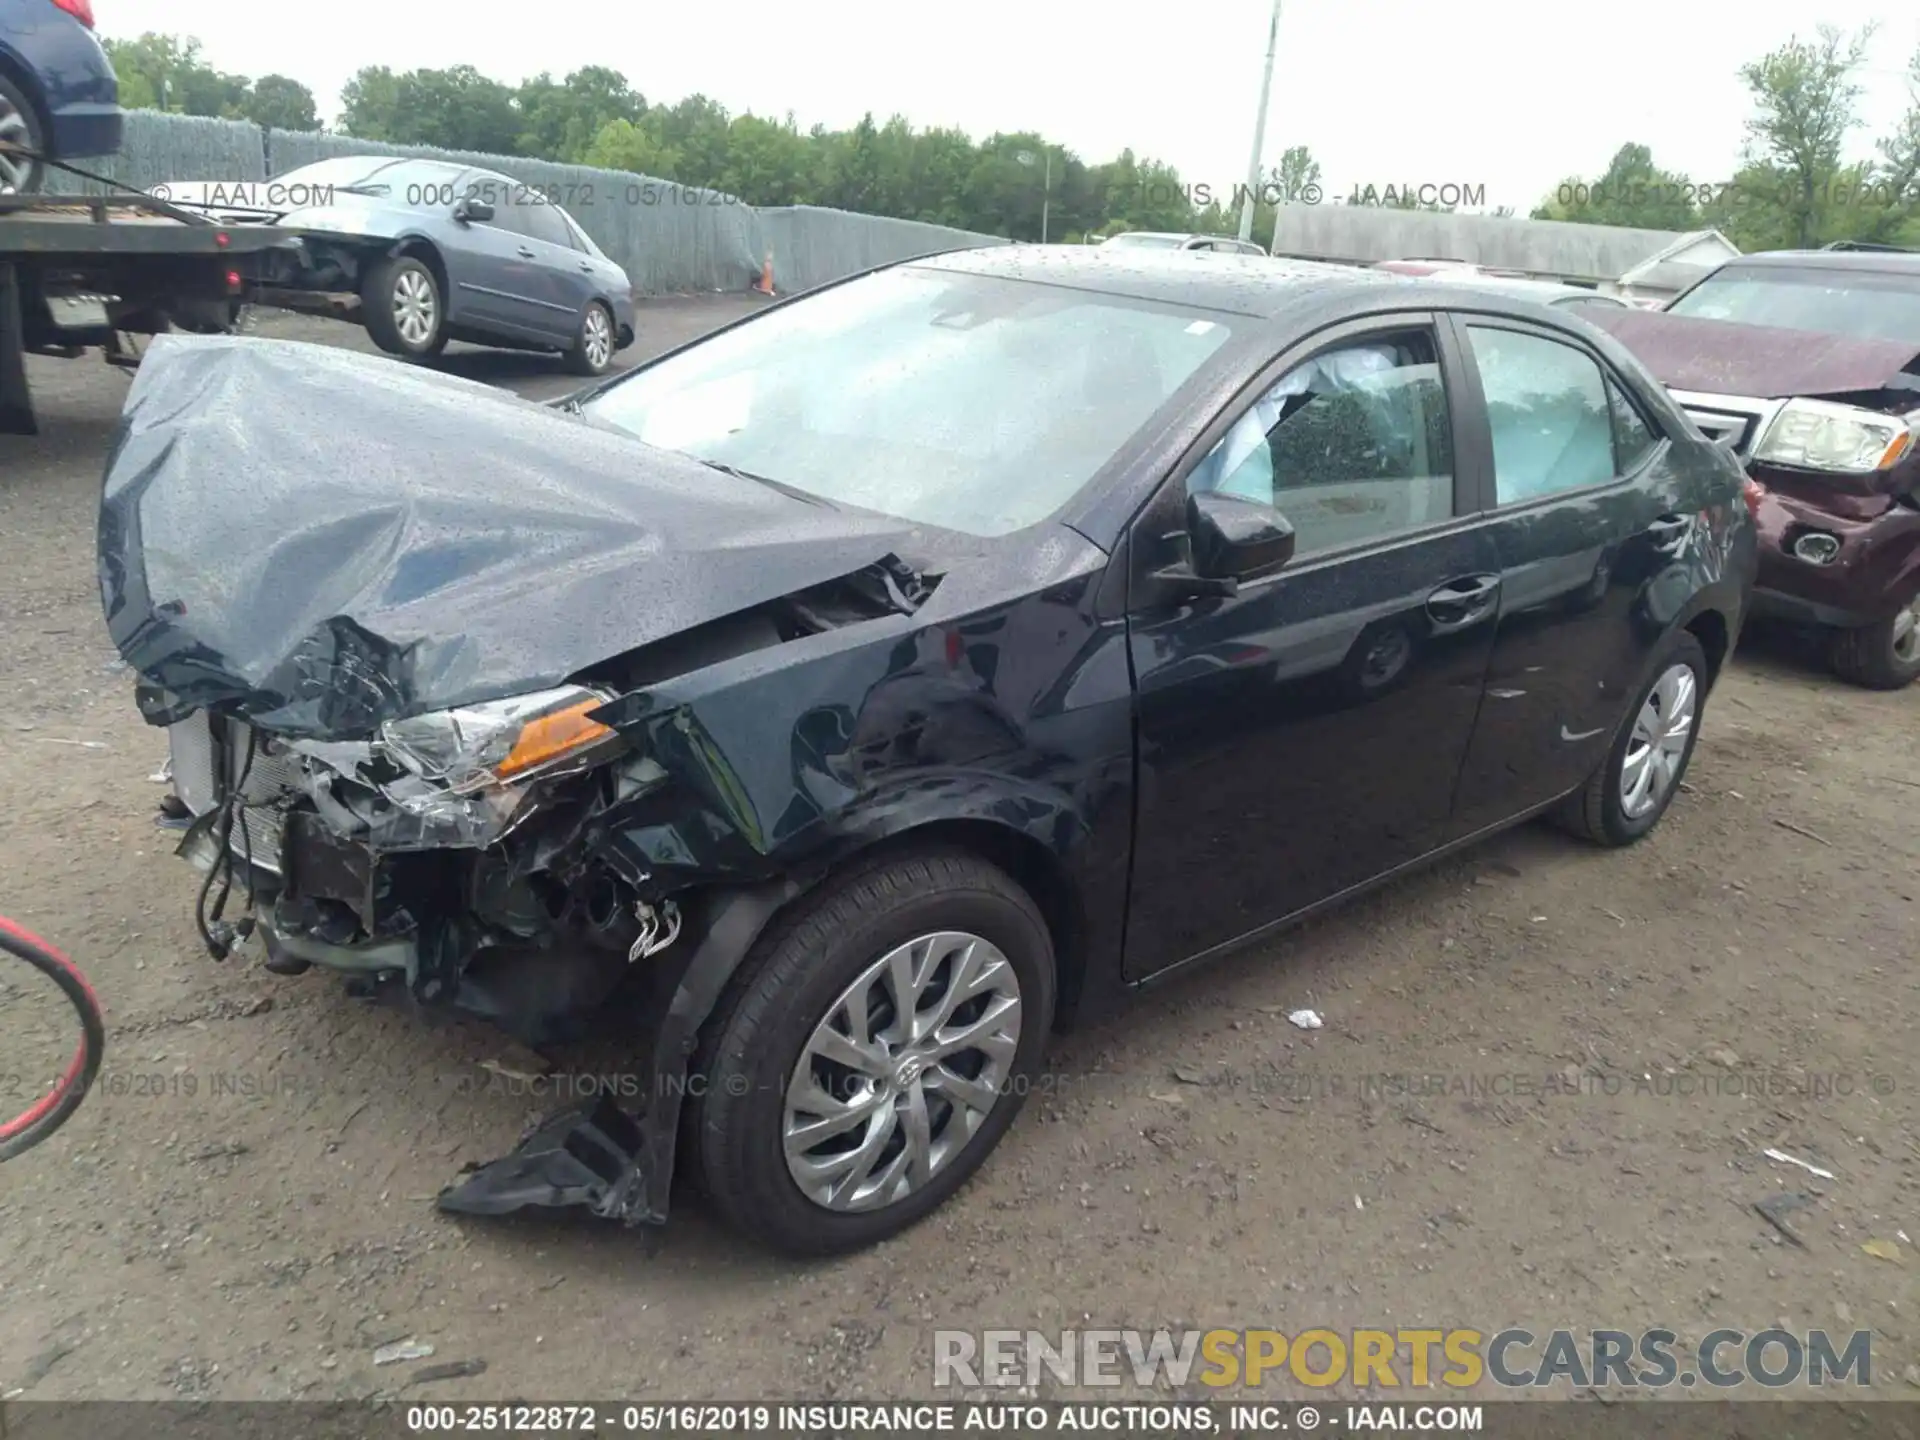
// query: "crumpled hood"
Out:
[1718,357]
[330,540]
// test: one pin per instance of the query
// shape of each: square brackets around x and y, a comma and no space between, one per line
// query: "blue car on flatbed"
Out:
[58,94]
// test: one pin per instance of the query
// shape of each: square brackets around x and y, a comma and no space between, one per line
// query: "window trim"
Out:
[1463,320]
[1164,514]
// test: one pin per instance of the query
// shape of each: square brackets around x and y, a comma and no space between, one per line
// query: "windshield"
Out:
[380,174]
[962,401]
[1864,305]
[1148,242]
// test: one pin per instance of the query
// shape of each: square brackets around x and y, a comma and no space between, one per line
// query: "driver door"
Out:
[1305,735]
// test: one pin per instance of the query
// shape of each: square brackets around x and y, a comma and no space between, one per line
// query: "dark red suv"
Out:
[1806,364]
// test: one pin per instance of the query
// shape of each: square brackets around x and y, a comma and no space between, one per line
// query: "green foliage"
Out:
[281,104]
[165,72]
[1793,188]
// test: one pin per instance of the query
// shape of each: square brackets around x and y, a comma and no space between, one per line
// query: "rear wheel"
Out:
[877,1045]
[592,350]
[1884,656]
[403,308]
[1631,790]
[19,126]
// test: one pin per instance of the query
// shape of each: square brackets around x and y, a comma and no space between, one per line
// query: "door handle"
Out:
[586,268]
[1460,603]
[526,253]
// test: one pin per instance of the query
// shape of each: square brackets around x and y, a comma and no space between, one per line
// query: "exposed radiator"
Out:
[273,780]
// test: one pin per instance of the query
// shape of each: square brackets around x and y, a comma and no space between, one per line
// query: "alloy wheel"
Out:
[16,171]
[902,1071]
[597,337]
[1906,633]
[416,310]
[1658,744]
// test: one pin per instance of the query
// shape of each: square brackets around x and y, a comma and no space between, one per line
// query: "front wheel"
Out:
[592,350]
[1631,790]
[877,1045]
[1883,656]
[403,308]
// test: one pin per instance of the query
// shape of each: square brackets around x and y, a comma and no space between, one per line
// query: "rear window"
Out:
[1863,304]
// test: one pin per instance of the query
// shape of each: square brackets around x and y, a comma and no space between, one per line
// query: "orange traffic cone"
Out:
[765,287]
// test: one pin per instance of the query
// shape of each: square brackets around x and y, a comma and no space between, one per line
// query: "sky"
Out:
[1512,95]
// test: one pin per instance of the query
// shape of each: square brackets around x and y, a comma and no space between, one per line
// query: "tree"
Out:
[632,146]
[370,104]
[1296,179]
[1805,106]
[1631,191]
[559,120]
[456,109]
[281,104]
[165,72]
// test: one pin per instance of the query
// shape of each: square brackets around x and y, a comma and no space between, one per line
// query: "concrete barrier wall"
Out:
[670,238]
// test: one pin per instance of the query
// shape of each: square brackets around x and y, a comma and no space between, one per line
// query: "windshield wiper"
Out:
[771,484]
[364,189]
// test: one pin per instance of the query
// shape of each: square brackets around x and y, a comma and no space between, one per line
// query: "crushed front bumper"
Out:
[306,883]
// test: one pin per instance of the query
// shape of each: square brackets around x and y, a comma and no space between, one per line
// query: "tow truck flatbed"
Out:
[78,271]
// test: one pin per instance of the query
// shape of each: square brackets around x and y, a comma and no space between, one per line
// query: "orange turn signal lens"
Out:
[552,736]
[1899,447]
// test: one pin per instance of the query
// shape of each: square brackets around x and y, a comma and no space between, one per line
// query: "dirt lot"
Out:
[243,1210]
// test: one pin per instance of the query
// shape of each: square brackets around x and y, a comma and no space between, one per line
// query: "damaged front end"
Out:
[433,856]
[432,662]
[519,861]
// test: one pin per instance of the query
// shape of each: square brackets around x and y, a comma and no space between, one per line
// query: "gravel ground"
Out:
[1601,1046]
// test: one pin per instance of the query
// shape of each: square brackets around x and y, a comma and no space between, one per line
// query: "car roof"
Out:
[1885,262]
[1253,285]
[1546,290]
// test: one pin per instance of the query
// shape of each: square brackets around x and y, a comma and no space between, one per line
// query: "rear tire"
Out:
[20,124]
[1883,656]
[962,922]
[1600,810]
[593,347]
[403,308]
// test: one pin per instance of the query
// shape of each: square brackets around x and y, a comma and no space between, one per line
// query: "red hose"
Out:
[54,1108]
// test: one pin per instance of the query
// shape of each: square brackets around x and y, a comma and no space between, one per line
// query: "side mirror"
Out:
[1231,539]
[469,212]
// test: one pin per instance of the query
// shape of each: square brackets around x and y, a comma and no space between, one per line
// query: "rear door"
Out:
[1587,517]
[1306,734]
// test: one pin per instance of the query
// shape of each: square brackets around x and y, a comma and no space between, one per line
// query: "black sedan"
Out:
[887,680]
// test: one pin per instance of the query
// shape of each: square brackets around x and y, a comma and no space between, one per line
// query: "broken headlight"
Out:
[501,742]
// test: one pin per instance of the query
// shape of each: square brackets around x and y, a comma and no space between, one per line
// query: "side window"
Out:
[1632,437]
[545,223]
[507,216]
[1550,413]
[1350,446]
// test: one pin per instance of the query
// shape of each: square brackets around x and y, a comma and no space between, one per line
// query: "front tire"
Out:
[877,1044]
[403,308]
[20,125]
[1625,798]
[593,347]
[1883,656]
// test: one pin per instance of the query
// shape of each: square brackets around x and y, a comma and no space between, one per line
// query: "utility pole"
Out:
[1260,128]
[1046,196]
